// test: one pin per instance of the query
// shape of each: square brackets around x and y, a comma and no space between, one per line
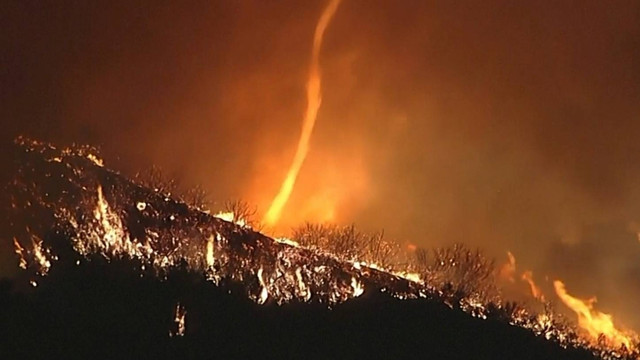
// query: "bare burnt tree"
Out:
[155,179]
[422,258]
[312,235]
[458,271]
[379,251]
[349,243]
[345,242]
[341,241]
[243,212]
[420,262]
[196,197]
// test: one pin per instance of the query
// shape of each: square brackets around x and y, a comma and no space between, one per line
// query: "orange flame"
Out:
[210,249]
[508,269]
[19,250]
[179,321]
[230,216]
[535,290]
[594,322]
[313,104]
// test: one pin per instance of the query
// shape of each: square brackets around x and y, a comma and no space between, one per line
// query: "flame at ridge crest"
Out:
[594,322]
[231,217]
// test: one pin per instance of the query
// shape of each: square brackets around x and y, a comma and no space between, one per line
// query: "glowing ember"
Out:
[594,322]
[112,231]
[313,104]
[95,159]
[264,293]
[358,289]
[304,291]
[20,252]
[210,258]
[39,253]
[180,314]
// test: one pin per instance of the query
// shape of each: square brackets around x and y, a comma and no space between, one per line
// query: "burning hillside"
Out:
[67,208]
[102,212]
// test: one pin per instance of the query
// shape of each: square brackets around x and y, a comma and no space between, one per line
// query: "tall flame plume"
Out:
[536,292]
[596,323]
[314,100]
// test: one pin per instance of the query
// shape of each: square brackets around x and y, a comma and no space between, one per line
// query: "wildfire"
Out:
[230,216]
[100,222]
[594,322]
[19,250]
[313,105]
[39,254]
[358,289]
[508,270]
[411,276]
[264,293]
[535,290]
[111,224]
[210,258]
[179,321]
[121,219]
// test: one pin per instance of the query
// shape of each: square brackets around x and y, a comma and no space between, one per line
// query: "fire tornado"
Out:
[313,104]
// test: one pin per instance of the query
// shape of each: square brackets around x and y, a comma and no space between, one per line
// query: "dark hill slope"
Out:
[104,310]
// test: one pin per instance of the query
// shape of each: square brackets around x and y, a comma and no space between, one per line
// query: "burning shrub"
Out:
[155,179]
[344,242]
[458,273]
[243,213]
[348,243]
[377,250]
[196,197]
[72,204]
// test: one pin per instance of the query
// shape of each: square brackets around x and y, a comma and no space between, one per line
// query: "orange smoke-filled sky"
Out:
[504,125]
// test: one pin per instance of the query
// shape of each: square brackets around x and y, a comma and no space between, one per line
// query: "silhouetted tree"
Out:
[243,211]
[458,271]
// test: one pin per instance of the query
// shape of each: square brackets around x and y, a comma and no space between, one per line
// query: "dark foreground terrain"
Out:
[101,310]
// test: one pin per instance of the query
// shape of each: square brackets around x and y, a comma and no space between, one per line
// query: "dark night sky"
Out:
[505,125]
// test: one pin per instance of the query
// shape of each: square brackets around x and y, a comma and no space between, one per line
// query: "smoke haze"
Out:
[504,125]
